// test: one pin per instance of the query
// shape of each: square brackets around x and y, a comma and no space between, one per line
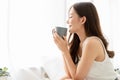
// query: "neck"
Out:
[82,36]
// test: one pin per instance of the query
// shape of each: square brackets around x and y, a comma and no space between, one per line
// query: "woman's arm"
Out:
[67,76]
[62,44]
[90,51]
[66,69]
[71,67]
[89,54]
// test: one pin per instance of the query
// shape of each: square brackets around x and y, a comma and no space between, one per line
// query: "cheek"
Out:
[70,21]
[75,23]
[76,26]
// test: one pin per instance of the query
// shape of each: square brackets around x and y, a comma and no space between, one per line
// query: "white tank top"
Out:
[102,70]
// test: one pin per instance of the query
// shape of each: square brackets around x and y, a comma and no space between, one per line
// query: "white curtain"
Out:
[4,60]
[30,30]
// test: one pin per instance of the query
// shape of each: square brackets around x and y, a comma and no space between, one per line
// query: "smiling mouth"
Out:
[70,26]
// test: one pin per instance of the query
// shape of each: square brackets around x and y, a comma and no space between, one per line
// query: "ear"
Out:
[83,19]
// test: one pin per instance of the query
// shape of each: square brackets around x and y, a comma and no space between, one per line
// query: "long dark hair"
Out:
[92,28]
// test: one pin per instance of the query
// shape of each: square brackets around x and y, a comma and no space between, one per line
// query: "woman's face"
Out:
[73,21]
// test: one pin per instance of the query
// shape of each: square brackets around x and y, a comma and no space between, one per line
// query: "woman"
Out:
[86,56]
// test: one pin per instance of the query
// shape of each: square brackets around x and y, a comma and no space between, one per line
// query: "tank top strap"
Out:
[102,44]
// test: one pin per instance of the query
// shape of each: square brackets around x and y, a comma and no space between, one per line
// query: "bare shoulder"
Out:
[92,41]
[92,47]
[92,44]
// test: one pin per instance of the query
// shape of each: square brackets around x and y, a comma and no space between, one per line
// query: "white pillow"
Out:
[54,68]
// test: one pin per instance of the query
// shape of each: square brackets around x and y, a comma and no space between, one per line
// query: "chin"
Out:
[71,30]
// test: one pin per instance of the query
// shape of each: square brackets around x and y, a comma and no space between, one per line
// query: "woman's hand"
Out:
[60,42]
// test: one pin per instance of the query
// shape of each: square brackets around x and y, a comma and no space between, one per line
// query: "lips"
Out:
[70,26]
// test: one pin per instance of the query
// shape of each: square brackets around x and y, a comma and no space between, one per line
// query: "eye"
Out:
[70,16]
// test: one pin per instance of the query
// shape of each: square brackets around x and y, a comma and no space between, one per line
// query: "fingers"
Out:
[64,37]
[55,35]
[53,31]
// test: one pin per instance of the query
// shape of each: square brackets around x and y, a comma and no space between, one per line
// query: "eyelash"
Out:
[70,17]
